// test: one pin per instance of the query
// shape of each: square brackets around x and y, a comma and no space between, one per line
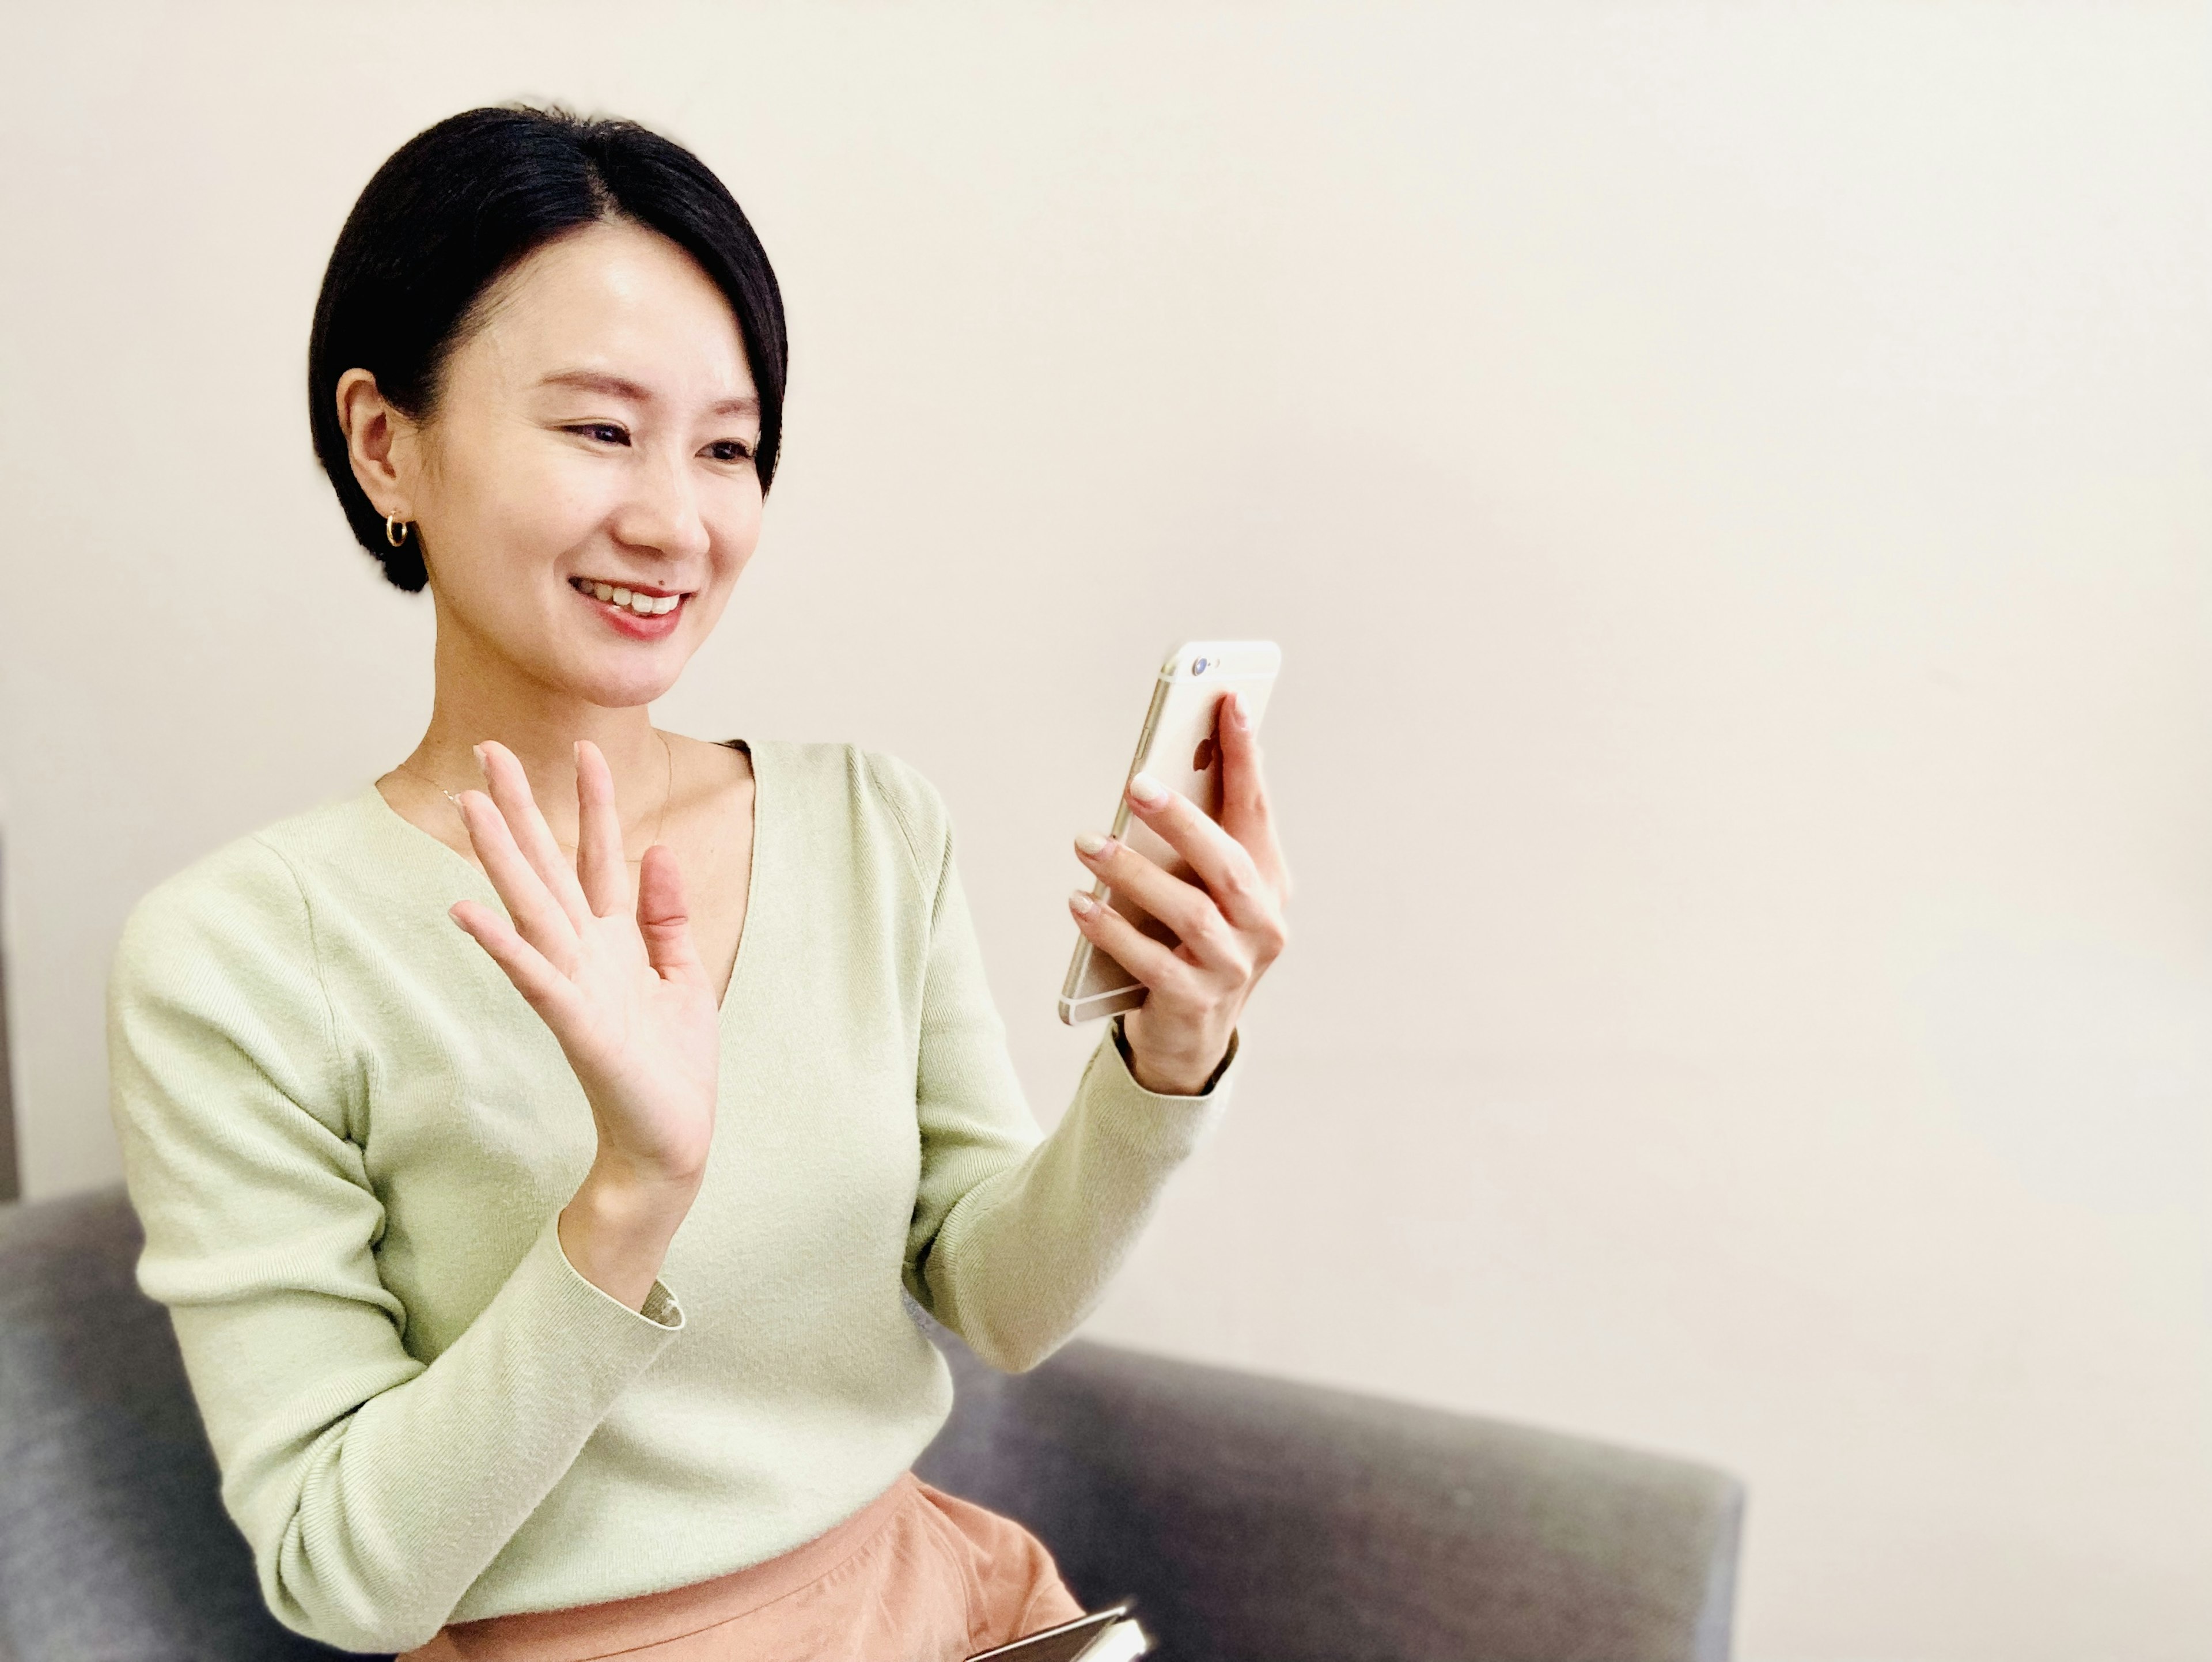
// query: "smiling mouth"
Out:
[645,602]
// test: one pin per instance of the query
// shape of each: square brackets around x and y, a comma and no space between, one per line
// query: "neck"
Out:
[481,697]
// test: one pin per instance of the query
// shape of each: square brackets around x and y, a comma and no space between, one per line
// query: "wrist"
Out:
[616,1229]
[1183,1072]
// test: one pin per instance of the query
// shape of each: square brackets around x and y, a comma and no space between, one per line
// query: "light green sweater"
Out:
[349,1140]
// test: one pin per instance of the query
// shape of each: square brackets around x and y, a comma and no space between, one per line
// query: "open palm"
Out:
[621,989]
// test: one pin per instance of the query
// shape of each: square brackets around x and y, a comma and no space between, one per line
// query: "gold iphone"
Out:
[1179,748]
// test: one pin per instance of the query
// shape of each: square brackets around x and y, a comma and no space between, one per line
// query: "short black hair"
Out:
[459,205]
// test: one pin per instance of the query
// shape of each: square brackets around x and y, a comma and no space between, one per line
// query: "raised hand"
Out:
[624,993]
[1228,925]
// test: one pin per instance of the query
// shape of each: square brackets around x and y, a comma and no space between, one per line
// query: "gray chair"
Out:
[1250,1517]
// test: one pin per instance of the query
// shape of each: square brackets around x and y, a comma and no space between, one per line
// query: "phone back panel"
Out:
[1179,747]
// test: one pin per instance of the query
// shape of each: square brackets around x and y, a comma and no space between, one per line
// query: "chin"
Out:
[627,686]
[617,678]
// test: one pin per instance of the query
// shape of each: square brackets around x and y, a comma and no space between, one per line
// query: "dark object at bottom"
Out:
[1255,1520]
[1250,1518]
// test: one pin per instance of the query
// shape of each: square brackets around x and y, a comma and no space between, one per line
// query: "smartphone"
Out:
[1071,1641]
[1179,747]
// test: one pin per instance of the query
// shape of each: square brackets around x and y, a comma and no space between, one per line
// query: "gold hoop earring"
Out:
[395,530]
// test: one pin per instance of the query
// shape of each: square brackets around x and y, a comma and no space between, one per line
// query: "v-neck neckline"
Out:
[412,831]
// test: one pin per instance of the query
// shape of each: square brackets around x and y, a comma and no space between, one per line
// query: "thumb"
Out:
[665,920]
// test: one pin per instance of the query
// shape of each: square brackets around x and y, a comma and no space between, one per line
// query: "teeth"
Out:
[645,606]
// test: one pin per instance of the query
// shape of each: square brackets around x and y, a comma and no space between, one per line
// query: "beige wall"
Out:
[1733,486]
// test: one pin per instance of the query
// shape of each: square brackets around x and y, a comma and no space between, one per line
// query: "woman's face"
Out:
[585,489]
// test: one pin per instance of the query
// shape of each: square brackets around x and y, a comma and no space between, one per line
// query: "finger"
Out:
[1246,812]
[510,788]
[1223,864]
[545,988]
[600,869]
[1153,965]
[1186,909]
[665,920]
[536,914]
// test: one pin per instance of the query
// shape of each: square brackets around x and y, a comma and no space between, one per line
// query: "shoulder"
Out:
[248,901]
[884,800]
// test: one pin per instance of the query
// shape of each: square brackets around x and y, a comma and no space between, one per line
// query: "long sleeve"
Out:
[373,1489]
[1015,1238]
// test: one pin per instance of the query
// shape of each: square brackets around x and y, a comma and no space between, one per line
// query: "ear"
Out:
[379,442]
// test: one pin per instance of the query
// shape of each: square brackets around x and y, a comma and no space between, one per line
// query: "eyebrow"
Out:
[593,380]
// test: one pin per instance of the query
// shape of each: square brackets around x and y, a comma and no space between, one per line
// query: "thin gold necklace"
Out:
[667,790]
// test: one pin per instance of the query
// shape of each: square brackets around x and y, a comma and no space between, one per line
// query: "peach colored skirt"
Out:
[915,1576]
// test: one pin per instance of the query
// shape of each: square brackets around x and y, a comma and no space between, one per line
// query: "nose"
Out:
[660,512]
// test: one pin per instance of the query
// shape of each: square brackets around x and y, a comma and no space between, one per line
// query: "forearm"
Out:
[1027,1253]
[368,1528]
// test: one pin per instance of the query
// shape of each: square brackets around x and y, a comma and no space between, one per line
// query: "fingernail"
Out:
[1238,717]
[477,751]
[1148,790]
[1092,844]
[1081,904]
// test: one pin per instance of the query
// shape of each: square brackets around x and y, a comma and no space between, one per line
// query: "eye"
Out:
[599,432]
[730,450]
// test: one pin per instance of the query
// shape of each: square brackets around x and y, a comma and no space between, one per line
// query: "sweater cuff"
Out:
[589,1310]
[1164,1126]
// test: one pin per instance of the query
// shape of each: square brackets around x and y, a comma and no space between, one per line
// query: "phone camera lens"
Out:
[1198,665]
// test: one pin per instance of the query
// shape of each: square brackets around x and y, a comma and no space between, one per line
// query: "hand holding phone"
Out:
[1187,913]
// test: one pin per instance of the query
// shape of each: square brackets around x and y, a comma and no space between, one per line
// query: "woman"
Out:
[540,1280]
